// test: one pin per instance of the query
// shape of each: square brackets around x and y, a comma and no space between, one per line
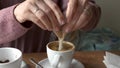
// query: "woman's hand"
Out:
[44,13]
[81,14]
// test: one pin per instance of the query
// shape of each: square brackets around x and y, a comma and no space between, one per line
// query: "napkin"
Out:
[111,60]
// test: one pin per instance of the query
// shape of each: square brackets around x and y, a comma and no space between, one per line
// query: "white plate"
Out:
[23,65]
[75,64]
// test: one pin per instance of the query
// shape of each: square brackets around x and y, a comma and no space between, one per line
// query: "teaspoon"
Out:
[34,62]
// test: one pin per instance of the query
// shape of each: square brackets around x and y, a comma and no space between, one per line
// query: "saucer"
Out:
[23,65]
[75,64]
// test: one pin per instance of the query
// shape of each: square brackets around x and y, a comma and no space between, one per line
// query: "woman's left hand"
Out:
[81,14]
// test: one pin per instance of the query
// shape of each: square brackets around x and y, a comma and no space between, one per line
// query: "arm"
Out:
[45,14]
[10,28]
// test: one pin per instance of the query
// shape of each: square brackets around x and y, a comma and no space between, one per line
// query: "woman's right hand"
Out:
[44,13]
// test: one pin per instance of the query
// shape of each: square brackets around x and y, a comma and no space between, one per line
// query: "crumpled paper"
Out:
[111,60]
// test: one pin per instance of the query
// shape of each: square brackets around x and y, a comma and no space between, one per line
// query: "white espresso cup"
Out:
[13,55]
[60,59]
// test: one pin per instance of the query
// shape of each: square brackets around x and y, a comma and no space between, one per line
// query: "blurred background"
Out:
[110,17]
[106,36]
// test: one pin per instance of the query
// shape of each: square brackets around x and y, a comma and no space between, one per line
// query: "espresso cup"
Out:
[62,58]
[10,58]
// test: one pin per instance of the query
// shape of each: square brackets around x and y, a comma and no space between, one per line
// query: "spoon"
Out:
[34,62]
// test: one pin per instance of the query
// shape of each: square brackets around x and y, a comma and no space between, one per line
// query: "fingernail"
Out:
[62,22]
[57,29]
[67,30]
[49,29]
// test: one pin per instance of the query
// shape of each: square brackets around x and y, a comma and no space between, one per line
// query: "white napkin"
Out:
[111,60]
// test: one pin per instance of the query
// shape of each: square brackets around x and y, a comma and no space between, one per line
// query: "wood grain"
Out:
[90,59]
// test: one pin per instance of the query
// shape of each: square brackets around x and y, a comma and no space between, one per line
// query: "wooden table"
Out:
[90,59]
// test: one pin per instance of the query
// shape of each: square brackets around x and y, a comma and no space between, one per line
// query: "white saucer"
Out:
[75,64]
[23,65]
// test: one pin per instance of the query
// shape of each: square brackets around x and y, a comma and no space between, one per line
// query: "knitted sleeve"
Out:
[10,28]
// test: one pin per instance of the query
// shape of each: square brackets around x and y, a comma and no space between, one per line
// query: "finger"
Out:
[34,19]
[50,14]
[71,9]
[73,6]
[96,16]
[91,23]
[67,27]
[73,22]
[97,11]
[84,18]
[83,21]
[83,3]
[70,14]
[56,10]
[90,26]
[41,16]
[74,14]
[80,8]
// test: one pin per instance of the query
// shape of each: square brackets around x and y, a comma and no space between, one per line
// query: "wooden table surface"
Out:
[90,59]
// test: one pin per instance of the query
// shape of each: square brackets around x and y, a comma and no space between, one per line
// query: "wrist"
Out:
[18,17]
[27,24]
[17,14]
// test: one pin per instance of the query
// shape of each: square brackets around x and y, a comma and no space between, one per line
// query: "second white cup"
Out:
[13,57]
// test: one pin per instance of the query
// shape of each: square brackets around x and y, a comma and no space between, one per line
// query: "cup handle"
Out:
[56,60]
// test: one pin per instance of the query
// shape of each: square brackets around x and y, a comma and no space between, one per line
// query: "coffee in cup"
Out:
[66,46]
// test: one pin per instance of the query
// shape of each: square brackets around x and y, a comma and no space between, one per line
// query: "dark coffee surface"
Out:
[5,61]
[54,46]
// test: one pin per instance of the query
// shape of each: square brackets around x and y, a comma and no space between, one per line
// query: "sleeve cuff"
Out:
[11,29]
